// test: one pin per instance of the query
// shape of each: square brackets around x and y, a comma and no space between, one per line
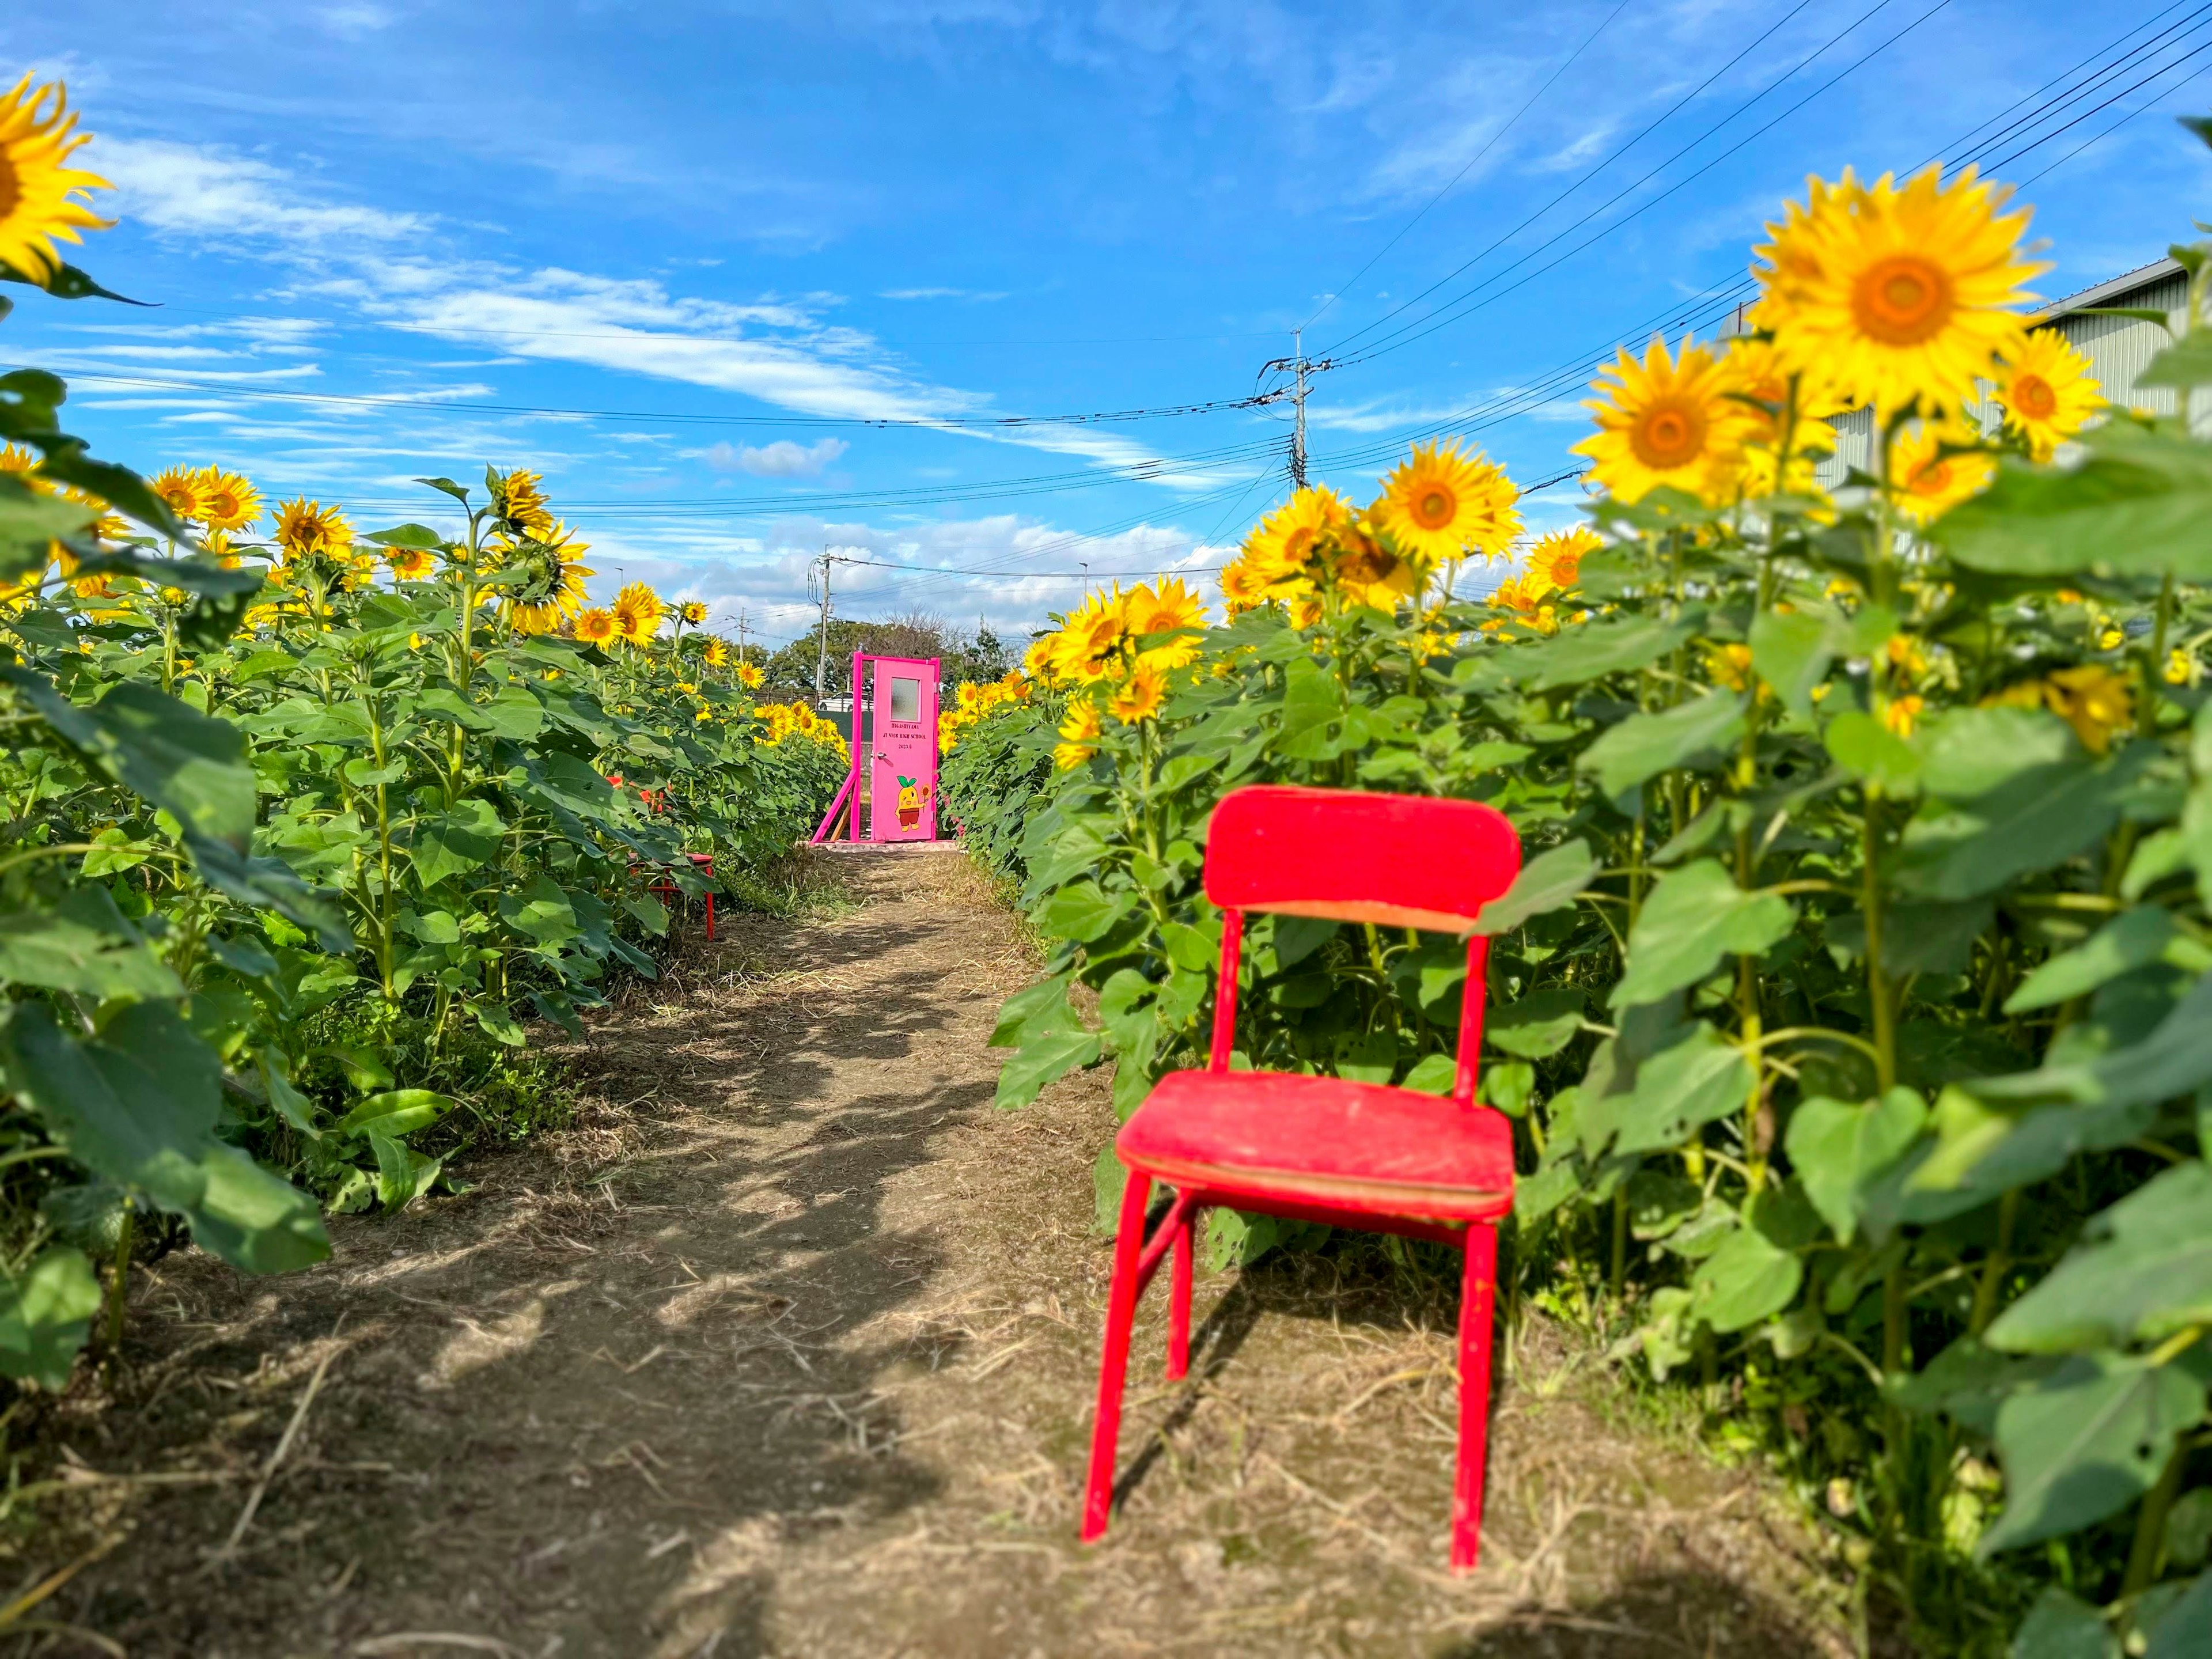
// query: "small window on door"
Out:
[906,700]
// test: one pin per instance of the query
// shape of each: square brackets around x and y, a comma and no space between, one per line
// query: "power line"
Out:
[1619,151]
[1488,145]
[1983,145]
[1468,304]
[943,422]
[2147,105]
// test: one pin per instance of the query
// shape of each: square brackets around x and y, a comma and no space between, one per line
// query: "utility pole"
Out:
[1301,369]
[822,657]
[741,633]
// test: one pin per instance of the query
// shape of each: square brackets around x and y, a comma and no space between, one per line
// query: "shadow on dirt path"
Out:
[785,1348]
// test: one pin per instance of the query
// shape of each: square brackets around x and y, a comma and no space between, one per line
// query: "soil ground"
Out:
[786,1348]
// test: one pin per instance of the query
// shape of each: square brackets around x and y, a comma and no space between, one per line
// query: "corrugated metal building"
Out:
[2119,348]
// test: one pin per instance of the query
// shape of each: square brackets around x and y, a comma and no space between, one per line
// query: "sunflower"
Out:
[38,194]
[596,626]
[216,544]
[1438,505]
[717,654]
[692,612]
[1172,609]
[518,505]
[179,490]
[411,564]
[227,500]
[1522,601]
[1295,535]
[1928,482]
[1041,660]
[551,588]
[1139,696]
[2048,392]
[304,528]
[1367,572]
[1079,732]
[2092,699]
[1245,586]
[1667,421]
[1898,295]
[749,675]
[1095,644]
[1767,385]
[638,611]
[1557,558]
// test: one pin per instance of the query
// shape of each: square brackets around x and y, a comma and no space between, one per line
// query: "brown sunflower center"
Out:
[223,505]
[1435,508]
[2031,396]
[1669,435]
[1904,300]
[11,187]
[1933,479]
[1298,544]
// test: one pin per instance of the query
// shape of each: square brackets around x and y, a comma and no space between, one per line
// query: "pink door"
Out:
[903,758]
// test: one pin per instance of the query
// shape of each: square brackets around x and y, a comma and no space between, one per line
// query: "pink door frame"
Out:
[910,743]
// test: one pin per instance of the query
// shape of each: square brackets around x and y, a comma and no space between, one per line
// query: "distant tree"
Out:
[963,656]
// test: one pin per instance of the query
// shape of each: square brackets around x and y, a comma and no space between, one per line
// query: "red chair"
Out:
[703,862]
[1322,1148]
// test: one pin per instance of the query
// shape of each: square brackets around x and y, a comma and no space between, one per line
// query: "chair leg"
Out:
[710,918]
[1478,1299]
[1114,1358]
[1179,1301]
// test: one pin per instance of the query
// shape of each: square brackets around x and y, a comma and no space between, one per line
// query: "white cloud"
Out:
[973,294]
[780,459]
[188,191]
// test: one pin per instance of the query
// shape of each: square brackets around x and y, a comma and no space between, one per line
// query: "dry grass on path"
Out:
[786,1348]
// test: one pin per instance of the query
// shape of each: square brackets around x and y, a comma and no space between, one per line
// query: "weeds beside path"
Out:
[786,1348]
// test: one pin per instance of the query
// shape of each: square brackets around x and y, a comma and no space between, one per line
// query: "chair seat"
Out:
[1323,1141]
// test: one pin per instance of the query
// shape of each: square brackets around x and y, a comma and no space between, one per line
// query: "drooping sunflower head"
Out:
[2048,390]
[179,486]
[1094,645]
[227,500]
[1556,560]
[41,196]
[691,612]
[550,588]
[1936,465]
[1139,696]
[1898,295]
[596,626]
[1292,540]
[1079,733]
[411,564]
[1776,394]
[1667,421]
[518,505]
[1245,586]
[717,653]
[1439,505]
[638,611]
[1366,569]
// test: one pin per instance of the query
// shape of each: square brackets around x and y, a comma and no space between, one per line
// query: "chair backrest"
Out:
[1349,855]
[1397,860]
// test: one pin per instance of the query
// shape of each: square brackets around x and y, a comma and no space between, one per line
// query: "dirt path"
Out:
[786,1349]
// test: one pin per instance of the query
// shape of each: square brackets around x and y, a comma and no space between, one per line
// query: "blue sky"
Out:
[679,257]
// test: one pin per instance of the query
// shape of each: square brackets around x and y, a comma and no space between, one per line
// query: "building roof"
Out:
[2116,288]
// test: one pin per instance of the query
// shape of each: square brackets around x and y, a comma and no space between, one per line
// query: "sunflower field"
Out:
[304,827]
[1854,1004]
